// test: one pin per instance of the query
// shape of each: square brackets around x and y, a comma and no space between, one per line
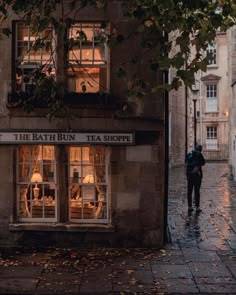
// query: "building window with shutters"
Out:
[211,140]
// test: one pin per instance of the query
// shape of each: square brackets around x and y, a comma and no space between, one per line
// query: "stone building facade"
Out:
[232,101]
[209,100]
[177,127]
[211,95]
[97,178]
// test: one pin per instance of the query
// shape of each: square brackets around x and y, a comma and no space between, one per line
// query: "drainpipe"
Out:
[166,157]
[186,120]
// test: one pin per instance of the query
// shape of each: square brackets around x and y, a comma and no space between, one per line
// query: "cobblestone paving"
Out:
[215,227]
[206,240]
[201,259]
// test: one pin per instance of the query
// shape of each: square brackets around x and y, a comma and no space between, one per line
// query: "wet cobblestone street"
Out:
[201,258]
[215,227]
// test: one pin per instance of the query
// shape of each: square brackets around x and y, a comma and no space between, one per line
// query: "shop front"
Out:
[76,188]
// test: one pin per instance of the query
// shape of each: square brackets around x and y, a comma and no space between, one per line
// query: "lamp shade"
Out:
[88,179]
[36,177]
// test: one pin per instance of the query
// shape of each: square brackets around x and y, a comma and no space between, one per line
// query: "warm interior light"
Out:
[88,179]
[36,177]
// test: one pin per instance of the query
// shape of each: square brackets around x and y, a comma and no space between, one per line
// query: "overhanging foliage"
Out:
[171,30]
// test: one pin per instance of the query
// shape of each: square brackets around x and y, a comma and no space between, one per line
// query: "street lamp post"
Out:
[194,121]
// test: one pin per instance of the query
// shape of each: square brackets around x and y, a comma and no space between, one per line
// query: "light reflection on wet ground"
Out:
[215,227]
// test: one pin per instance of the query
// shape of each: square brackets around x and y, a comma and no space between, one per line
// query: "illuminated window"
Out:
[88,58]
[88,184]
[36,183]
[38,191]
[32,51]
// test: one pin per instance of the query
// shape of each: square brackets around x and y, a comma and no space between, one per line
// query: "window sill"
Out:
[211,112]
[71,99]
[214,66]
[66,227]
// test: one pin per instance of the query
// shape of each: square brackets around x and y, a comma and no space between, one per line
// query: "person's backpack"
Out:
[192,161]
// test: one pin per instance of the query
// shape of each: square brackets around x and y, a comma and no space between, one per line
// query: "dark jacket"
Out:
[194,162]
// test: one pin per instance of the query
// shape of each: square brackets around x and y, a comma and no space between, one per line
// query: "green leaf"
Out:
[121,73]
[6,31]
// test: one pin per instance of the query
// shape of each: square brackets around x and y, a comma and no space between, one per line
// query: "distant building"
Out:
[232,102]
[210,98]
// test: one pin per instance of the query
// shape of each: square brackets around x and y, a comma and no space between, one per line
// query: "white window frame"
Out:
[31,186]
[212,51]
[74,166]
[79,62]
[27,63]
[211,98]
[102,200]
[211,138]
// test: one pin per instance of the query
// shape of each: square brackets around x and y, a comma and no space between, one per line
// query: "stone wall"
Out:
[136,188]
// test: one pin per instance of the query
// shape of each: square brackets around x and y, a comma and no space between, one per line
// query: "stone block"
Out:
[149,169]
[131,184]
[153,238]
[151,209]
[117,153]
[141,153]
[128,201]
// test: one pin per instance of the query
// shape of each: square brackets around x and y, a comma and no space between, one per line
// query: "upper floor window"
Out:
[211,52]
[32,51]
[211,98]
[88,58]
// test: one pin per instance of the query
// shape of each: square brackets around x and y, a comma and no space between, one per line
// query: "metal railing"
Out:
[219,153]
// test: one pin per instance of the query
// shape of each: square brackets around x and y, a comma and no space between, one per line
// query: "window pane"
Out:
[36,183]
[211,93]
[93,79]
[87,57]
[211,54]
[88,183]
[30,57]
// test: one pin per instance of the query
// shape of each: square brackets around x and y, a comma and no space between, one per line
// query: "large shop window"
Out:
[36,183]
[39,198]
[88,183]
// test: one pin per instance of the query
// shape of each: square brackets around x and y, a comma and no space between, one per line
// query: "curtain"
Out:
[97,157]
[28,156]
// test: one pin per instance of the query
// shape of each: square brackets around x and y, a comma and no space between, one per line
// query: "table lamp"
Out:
[36,177]
[88,179]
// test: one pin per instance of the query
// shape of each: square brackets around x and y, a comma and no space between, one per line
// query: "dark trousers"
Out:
[194,182]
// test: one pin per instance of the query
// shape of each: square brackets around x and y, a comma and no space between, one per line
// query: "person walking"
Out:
[194,162]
